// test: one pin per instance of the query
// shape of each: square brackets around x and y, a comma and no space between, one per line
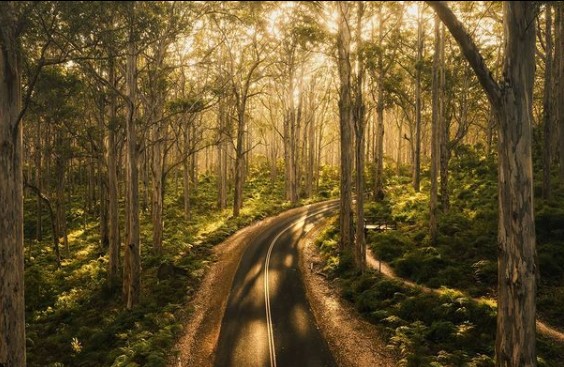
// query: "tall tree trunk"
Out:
[60,170]
[157,188]
[435,144]
[239,158]
[517,287]
[222,154]
[547,104]
[310,156]
[400,146]
[194,157]
[298,149]
[345,125]
[418,66]
[273,156]
[290,137]
[102,181]
[359,127]
[113,204]
[444,133]
[91,186]
[38,183]
[517,268]
[379,149]
[560,91]
[132,276]
[12,323]
[144,174]
[186,174]
[103,208]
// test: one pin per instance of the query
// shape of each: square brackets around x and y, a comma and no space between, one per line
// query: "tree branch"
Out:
[469,49]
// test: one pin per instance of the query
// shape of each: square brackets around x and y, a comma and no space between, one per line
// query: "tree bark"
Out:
[186,174]
[290,136]
[38,183]
[113,204]
[560,91]
[516,330]
[132,276]
[379,149]
[12,316]
[222,159]
[311,138]
[417,143]
[60,170]
[239,157]
[345,127]
[102,181]
[512,103]
[157,188]
[359,127]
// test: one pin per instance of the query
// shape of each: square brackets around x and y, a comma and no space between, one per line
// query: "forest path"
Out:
[385,269]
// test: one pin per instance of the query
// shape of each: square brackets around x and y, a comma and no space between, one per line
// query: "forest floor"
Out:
[384,268]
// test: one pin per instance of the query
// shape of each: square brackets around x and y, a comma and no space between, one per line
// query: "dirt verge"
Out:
[354,341]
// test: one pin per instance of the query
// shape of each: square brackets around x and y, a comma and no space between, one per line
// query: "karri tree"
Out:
[511,100]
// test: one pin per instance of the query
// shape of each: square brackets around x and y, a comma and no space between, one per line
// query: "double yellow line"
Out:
[271,346]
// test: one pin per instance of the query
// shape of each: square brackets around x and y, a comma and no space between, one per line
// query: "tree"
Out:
[559,49]
[512,103]
[436,123]
[111,161]
[345,125]
[547,105]
[132,269]
[358,114]
[418,106]
[381,59]
[12,323]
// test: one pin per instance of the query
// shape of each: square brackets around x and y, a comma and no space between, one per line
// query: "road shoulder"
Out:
[354,341]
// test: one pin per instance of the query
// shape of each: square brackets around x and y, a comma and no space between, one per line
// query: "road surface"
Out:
[268,321]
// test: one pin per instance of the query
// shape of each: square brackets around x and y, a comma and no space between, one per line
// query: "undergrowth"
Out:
[450,328]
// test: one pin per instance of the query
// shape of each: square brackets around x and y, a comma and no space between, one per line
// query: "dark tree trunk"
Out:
[12,315]
[113,204]
[560,90]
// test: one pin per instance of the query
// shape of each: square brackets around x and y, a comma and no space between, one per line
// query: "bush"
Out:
[390,245]
[420,265]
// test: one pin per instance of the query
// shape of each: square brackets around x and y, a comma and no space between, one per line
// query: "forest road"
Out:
[268,321]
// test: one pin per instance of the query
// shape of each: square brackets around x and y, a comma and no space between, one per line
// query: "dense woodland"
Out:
[134,136]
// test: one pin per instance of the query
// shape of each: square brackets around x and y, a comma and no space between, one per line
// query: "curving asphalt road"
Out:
[268,321]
